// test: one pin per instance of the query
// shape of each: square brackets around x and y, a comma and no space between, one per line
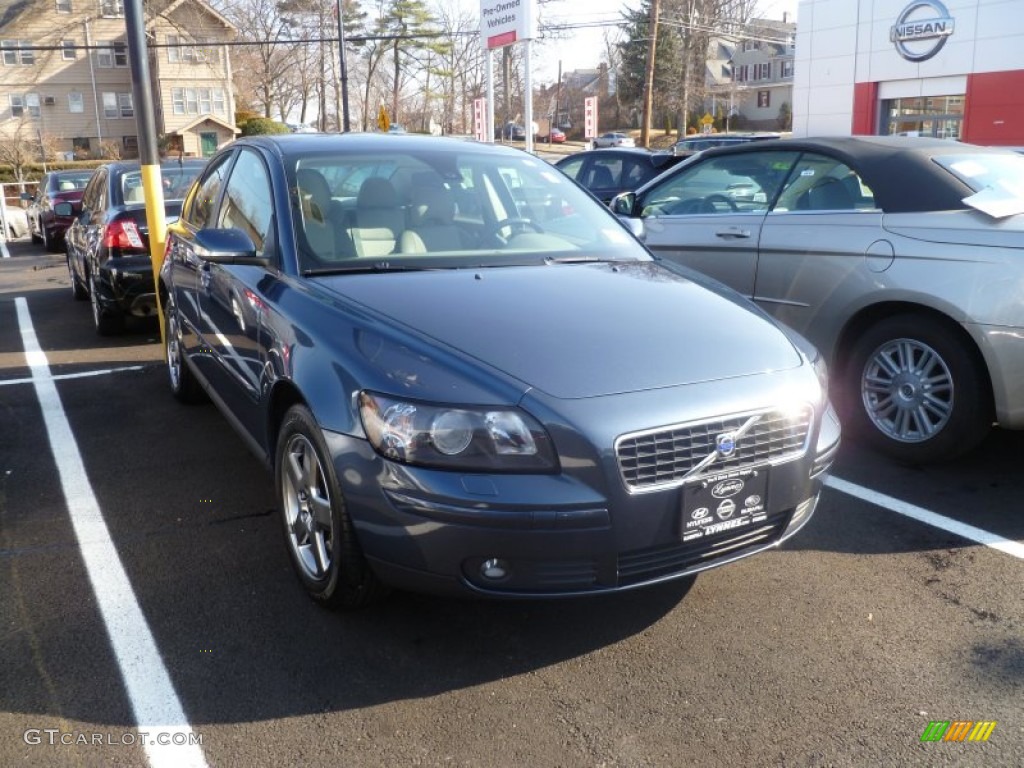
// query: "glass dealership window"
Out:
[937,116]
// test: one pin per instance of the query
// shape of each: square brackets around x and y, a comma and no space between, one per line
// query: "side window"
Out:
[742,183]
[822,183]
[604,173]
[248,202]
[572,167]
[92,190]
[201,206]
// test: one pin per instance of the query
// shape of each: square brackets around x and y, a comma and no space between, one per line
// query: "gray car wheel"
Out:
[184,385]
[922,391]
[318,532]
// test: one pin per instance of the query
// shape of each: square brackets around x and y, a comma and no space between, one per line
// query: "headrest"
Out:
[312,184]
[376,192]
[431,204]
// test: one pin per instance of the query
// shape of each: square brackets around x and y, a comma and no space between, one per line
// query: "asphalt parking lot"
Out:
[146,596]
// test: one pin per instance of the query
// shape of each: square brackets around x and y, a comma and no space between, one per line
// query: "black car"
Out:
[44,225]
[607,172]
[108,242]
[699,142]
[461,388]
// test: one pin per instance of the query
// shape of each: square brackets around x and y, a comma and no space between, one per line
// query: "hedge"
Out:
[34,171]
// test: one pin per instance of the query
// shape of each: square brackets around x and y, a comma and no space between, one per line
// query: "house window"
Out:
[120,55]
[764,71]
[104,58]
[76,102]
[741,73]
[174,52]
[24,103]
[764,98]
[110,105]
[131,144]
[124,104]
[80,144]
[178,101]
[205,103]
[15,52]
[63,6]
[68,50]
[218,101]
[191,102]
[110,9]
[787,68]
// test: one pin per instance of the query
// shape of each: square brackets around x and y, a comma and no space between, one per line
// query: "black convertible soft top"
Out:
[900,170]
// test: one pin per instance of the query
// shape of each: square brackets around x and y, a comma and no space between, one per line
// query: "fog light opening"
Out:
[494,569]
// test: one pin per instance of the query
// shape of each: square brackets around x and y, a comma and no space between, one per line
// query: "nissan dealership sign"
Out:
[921,30]
[504,22]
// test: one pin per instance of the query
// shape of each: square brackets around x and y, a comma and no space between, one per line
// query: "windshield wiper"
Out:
[580,259]
[361,269]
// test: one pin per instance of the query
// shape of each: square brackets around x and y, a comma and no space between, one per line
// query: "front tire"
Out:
[916,391]
[318,531]
[184,386]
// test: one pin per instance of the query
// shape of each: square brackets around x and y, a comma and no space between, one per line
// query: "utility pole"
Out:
[645,127]
[149,153]
[345,126]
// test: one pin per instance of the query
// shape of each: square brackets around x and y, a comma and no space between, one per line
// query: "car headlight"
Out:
[465,438]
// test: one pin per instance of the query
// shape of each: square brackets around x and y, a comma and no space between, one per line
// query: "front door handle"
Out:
[733,233]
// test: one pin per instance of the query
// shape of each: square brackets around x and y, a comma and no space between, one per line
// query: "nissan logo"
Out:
[911,28]
[727,488]
[725,509]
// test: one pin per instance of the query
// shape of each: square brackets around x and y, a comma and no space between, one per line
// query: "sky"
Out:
[583,49]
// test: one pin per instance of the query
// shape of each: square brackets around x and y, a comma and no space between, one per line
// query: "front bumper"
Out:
[553,535]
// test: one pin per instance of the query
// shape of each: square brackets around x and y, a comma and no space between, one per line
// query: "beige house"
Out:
[65,80]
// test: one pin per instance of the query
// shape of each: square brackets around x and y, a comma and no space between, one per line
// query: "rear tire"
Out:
[106,322]
[318,531]
[915,390]
[77,290]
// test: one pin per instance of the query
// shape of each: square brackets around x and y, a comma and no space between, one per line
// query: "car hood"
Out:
[581,330]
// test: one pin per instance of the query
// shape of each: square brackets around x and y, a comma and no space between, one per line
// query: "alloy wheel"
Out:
[307,508]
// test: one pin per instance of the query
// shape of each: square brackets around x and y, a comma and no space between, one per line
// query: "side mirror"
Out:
[623,204]
[63,209]
[226,246]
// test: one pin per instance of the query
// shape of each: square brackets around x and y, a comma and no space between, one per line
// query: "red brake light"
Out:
[123,235]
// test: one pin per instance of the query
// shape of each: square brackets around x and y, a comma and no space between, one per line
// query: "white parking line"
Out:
[922,515]
[79,375]
[148,685]
[3,248]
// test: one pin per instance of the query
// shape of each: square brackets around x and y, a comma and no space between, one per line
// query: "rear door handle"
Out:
[733,233]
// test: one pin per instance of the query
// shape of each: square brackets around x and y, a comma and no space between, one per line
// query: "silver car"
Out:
[902,259]
[613,139]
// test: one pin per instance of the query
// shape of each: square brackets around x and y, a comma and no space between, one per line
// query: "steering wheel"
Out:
[514,225]
[710,200]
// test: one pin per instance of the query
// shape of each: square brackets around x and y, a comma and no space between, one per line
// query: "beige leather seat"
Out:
[379,219]
[431,221]
[315,204]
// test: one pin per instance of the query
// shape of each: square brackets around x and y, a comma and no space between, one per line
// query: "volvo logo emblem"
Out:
[918,37]
[725,444]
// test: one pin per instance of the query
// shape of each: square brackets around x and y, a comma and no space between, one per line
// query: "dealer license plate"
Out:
[724,503]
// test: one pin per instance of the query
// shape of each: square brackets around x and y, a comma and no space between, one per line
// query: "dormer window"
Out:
[63,6]
[111,9]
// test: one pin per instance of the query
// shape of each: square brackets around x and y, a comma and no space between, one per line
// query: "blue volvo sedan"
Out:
[468,376]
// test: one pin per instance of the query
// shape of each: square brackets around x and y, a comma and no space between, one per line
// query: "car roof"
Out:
[899,169]
[292,144]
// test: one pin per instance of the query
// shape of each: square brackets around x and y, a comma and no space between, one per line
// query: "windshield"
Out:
[467,207]
[71,182]
[176,180]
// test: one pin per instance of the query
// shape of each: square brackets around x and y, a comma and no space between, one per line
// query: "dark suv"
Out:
[108,242]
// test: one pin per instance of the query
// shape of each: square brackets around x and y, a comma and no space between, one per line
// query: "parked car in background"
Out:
[458,392]
[108,242]
[900,258]
[17,222]
[607,172]
[553,136]
[702,141]
[612,139]
[44,225]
